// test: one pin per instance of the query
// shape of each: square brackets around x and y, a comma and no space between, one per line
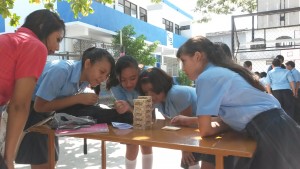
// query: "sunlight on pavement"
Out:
[72,157]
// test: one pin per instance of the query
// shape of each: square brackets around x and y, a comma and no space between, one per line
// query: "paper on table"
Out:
[171,128]
[121,125]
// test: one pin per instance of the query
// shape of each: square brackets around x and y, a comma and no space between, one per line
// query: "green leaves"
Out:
[183,79]
[206,7]
[135,47]
[77,6]
[81,6]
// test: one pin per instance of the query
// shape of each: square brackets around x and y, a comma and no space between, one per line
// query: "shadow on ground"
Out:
[72,156]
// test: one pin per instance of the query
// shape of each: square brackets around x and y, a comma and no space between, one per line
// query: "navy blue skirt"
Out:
[278,142]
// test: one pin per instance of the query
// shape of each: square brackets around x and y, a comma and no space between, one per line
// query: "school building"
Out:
[163,22]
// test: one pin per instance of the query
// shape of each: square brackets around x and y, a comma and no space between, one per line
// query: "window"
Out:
[121,5]
[285,42]
[130,9]
[143,14]
[186,27]
[258,46]
[177,30]
[168,25]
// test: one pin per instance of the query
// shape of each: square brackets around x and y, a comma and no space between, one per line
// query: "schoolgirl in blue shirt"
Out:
[61,86]
[238,101]
[124,90]
[177,103]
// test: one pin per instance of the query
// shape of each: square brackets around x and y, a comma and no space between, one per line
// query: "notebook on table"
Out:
[71,130]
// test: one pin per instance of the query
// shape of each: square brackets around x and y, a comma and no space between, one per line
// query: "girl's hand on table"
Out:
[179,120]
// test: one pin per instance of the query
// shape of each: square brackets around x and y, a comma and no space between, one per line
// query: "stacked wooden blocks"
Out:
[142,112]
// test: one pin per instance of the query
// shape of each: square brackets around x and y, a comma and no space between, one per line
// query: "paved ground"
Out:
[72,157]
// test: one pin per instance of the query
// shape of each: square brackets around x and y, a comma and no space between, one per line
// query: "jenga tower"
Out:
[142,112]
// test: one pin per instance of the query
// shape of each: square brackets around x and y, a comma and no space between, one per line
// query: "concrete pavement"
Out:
[72,157]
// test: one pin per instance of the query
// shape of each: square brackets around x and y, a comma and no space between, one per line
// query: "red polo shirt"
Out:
[22,54]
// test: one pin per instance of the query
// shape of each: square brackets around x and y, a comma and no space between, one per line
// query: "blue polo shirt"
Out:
[122,94]
[59,79]
[296,75]
[224,93]
[178,99]
[279,78]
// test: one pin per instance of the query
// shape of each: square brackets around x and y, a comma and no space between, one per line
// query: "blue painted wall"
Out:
[177,9]
[110,19]
[178,40]
[2,24]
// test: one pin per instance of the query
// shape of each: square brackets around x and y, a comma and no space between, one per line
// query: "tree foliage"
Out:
[78,7]
[206,7]
[135,47]
[183,79]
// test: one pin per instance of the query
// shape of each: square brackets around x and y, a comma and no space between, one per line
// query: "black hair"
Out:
[280,57]
[291,63]
[225,48]
[247,63]
[122,63]
[276,62]
[215,56]
[159,79]
[96,55]
[43,22]
[262,74]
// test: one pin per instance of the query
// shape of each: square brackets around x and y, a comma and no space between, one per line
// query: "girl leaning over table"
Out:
[22,59]
[177,103]
[60,87]
[229,92]
[124,90]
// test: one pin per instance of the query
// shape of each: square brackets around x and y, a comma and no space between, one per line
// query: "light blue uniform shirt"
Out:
[263,81]
[59,79]
[279,78]
[224,93]
[178,99]
[122,94]
[296,75]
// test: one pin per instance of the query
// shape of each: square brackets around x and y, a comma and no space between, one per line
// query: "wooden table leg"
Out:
[103,154]
[51,150]
[219,162]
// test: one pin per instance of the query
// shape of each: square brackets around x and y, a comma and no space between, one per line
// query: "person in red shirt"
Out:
[23,56]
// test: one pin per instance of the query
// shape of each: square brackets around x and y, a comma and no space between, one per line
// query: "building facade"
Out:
[163,22]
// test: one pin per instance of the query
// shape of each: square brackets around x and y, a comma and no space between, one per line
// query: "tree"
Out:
[183,79]
[135,47]
[77,6]
[206,7]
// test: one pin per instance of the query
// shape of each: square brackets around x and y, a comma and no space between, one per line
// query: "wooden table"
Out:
[186,139]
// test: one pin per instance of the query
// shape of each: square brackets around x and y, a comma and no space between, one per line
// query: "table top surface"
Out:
[187,139]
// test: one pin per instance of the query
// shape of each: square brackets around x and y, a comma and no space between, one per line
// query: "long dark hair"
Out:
[159,79]
[216,57]
[98,54]
[122,63]
[44,22]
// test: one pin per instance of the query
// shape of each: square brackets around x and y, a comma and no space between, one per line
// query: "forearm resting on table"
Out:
[41,105]
[211,125]
[191,122]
